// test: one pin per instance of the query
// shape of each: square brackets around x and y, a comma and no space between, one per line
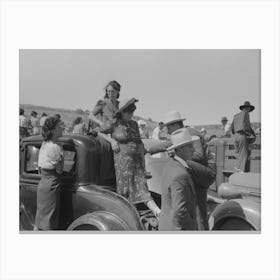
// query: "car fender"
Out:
[88,199]
[245,209]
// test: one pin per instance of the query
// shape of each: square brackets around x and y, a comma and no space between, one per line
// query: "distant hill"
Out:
[68,116]
[216,128]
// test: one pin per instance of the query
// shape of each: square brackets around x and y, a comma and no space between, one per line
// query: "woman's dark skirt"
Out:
[48,197]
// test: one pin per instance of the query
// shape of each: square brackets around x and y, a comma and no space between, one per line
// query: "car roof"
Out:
[65,137]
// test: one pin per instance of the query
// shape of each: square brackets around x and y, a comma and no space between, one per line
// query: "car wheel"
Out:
[234,224]
[99,220]
[86,222]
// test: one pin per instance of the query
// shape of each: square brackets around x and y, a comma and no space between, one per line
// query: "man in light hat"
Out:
[243,134]
[159,132]
[225,127]
[144,134]
[201,165]
[178,198]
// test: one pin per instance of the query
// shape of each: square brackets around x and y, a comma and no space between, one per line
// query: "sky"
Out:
[203,85]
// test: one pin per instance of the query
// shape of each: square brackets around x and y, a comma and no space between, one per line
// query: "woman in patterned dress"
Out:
[129,157]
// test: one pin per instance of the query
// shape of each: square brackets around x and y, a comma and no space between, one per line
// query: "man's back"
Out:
[178,199]
[241,122]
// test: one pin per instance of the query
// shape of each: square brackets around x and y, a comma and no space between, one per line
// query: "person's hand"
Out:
[97,129]
[146,151]
[115,146]
[171,153]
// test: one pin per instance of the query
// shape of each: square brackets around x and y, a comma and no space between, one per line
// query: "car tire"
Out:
[99,220]
[86,222]
[234,224]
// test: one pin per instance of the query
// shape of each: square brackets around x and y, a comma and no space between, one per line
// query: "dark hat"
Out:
[247,104]
[34,113]
[224,119]
[57,116]
[125,103]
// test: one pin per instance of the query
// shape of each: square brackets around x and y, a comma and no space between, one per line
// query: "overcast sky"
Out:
[203,85]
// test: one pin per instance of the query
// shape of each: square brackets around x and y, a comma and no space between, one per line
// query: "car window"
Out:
[32,154]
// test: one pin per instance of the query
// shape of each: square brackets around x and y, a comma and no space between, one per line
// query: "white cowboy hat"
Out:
[180,138]
[172,117]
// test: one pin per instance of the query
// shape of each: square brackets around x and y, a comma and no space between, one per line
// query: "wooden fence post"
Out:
[220,162]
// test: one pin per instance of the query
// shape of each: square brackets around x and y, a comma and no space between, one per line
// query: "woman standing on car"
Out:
[50,164]
[103,116]
[104,110]
[129,156]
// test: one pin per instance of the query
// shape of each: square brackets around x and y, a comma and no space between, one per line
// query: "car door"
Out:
[29,180]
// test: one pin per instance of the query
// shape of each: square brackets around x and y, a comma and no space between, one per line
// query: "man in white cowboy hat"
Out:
[144,134]
[179,210]
[201,165]
[243,134]
[225,127]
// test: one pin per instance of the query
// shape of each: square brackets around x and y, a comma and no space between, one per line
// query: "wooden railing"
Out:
[226,158]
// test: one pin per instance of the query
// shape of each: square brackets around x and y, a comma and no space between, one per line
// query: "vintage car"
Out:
[239,206]
[89,200]
[86,204]
[238,195]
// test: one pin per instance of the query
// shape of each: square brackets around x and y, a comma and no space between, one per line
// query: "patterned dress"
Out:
[130,162]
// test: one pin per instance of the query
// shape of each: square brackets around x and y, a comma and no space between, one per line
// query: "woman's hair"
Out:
[77,120]
[44,115]
[33,113]
[21,111]
[57,116]
[115,85]
[48,127]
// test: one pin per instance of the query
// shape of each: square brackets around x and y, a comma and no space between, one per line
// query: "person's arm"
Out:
[104,133]
[159,147]
[180,196]
[56,155]
[247,125]
[232,127]
[95,119]
[199,153]
[198,145]
[98,107]
[138,135]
